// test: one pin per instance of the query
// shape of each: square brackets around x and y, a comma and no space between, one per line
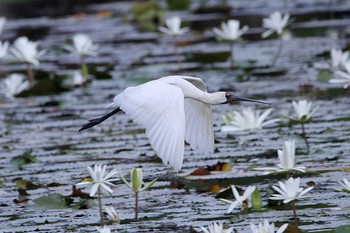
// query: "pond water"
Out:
[42,152]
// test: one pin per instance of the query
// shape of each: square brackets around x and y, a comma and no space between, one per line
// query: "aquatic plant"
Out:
[82,47]
[3,49]
[173,28]
[78,78]
[290,191]
[266,227]
[241,201]
[276,23]
[136,184]
[101,180]
[230,31]
[26,51]
[303,112]
[339,58]
[286,160]
[103,229]
[345,183]
[112,214]
[342,77]
[2,24]
[247,120]
[216,228]
[14,84]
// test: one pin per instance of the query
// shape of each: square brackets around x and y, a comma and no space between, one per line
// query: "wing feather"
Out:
[159,108]
[199,120]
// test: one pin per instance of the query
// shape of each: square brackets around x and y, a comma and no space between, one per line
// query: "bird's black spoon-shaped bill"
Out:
[230,98]
[252,100]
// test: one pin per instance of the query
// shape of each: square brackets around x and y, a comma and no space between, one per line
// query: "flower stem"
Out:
[176,51]
[304,135]
[232,57]
[295,214]
[278,52]
[100,205]
[136,206]
[30,73]
[84,71]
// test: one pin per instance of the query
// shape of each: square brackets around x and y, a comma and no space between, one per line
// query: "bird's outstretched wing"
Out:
[199,121]
[159,108]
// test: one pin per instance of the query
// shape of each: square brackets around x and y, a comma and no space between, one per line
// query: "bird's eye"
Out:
[228,95]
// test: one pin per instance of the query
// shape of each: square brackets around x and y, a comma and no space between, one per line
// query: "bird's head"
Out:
[231,98]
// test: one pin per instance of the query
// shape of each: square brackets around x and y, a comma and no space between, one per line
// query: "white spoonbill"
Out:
[172,109]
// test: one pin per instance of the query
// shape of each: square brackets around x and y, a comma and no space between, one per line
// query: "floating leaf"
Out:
[324,76]
[342,229]
[256,200]
[54,201]
[27,185]
[222,167]
[200,172]
[76,192]
[147,14]
[24,159]
[208,57]
[178,4]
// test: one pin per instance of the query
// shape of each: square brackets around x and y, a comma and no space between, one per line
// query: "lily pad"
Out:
[23,159]
[208,57]
[54,201]
[178,4]
[342,229]
[324,76]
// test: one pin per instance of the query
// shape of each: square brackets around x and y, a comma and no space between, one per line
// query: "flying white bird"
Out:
[172,109]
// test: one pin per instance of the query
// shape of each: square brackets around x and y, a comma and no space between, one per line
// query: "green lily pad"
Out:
[54,201]
[342,229]
[208,57]
[24,159]
[178,4]
[324,76]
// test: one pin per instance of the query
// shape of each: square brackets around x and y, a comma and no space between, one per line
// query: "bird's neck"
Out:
[209,98]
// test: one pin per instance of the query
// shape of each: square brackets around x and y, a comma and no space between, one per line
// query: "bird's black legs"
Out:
[95,121]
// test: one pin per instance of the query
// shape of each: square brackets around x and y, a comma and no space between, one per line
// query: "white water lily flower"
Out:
[286,158]
[78,78]
[216,228]
[266,227]
[303,110]
[290,191]
[346,185]
[247,120]
[339,58]
[276,22]
[14,84]
[3,49]
[112,214]
[230,30]
[342,77]
[82,45]
[173,26]
[100,179]
[103,229]
[239,199]
[26,51]
[2,23]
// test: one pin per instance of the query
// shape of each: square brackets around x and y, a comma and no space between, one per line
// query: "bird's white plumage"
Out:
[170,117]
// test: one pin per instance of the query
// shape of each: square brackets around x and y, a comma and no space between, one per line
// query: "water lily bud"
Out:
[136,179]
[256,200]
